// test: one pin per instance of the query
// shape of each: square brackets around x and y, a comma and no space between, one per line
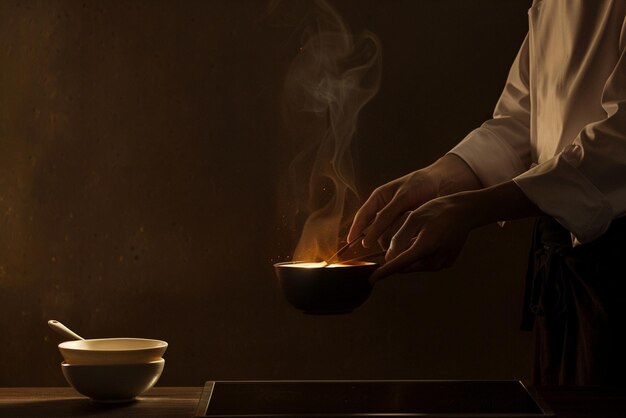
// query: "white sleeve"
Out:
[499,150]
[584,187]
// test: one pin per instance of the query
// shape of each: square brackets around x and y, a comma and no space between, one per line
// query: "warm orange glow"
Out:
[324,264]
[308,265]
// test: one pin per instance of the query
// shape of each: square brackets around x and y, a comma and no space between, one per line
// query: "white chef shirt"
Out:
[559,128]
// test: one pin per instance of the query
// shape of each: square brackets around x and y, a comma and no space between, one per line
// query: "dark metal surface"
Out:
[463,398]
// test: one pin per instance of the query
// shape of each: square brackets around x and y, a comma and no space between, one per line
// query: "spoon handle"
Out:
[63,330]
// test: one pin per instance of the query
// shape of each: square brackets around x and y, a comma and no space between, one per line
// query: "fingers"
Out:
[389,201]
[417,246]
[394,266]
[379,211]
[431,238]
[385,239]
[405,237]
[366,213]
[386,217]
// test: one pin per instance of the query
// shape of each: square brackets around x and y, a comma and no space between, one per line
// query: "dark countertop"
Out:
[572,402]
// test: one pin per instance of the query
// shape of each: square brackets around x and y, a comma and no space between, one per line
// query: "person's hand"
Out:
[382,214]
[433,235]
[430,239]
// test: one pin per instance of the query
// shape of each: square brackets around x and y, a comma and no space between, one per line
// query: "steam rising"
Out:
[332,77]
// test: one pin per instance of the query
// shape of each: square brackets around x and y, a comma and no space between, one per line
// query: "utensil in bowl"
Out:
[112,351]
[318,288]
[343,249]
[113,382]
[63,330]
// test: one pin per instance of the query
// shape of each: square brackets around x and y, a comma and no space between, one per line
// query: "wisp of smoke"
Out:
[333,75]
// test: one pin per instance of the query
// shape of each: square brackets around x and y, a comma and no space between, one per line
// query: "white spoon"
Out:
[63,330]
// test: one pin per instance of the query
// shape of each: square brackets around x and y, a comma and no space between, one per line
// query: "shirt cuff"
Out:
[491,159]
[562,191]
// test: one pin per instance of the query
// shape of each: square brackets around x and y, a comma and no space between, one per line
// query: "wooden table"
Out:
[182,402]
[65,402]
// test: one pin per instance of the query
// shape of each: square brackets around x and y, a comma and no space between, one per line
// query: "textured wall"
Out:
[142,167]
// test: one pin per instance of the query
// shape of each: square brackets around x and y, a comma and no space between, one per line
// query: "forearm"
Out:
[453,175]
[503,202]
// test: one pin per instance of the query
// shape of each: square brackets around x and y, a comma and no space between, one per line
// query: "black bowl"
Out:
[325,290]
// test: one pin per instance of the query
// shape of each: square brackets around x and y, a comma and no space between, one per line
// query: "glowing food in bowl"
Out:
[320,288]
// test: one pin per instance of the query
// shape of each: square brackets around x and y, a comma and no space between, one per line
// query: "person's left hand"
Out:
[430,239]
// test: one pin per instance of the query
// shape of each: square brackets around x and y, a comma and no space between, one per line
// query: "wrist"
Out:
[452,175]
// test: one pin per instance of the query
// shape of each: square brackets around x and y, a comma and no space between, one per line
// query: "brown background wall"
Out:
[141,159]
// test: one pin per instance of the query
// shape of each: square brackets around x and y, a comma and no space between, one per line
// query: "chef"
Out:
[555,148]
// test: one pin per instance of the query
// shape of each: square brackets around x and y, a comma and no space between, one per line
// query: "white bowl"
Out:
[112,351]
[113,382]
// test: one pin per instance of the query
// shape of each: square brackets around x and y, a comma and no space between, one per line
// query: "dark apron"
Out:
[575,302]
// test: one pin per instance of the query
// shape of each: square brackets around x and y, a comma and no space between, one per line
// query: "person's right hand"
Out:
[382,213]
[385,210]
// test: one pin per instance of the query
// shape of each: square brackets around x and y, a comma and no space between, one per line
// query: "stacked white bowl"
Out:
[112,369]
